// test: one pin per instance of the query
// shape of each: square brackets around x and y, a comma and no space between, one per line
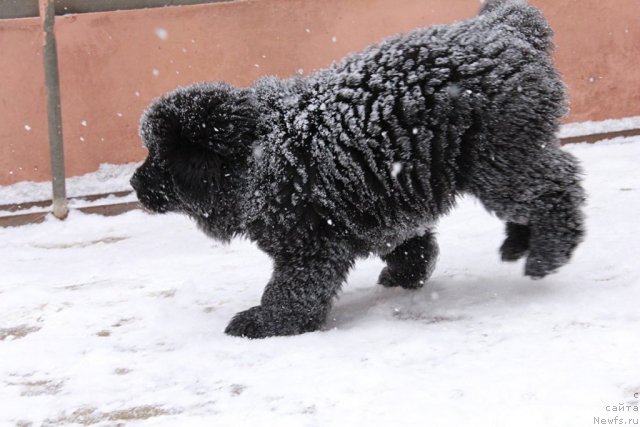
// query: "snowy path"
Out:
[118,321]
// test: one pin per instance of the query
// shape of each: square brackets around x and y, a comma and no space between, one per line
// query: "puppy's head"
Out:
[199,139]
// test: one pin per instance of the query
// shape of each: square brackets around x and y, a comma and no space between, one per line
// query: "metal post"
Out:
[52,83]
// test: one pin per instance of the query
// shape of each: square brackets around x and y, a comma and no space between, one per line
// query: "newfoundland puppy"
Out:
[365,156]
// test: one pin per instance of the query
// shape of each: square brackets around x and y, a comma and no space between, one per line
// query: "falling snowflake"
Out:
[397,168]
[162,33]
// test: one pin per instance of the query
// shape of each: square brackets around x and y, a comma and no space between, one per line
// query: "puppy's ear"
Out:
[201,132]
[214,116]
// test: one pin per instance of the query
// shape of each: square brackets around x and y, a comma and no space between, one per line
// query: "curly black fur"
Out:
[365,156]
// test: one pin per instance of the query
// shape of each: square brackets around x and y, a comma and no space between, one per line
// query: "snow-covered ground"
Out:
[118,321]
[108,178]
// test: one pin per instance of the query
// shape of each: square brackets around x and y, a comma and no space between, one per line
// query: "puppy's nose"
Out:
[135,181]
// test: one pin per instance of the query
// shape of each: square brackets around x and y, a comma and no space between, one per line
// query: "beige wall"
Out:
[112,64]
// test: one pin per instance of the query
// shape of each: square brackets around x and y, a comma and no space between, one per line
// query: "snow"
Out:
[162,33]
[120,319]
[397,168]
[604,126]
[108,178]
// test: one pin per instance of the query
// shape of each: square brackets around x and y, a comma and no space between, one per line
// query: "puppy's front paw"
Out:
[259,322]
[248,323]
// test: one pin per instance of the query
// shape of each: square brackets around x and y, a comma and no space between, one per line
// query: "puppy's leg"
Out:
[516,245]
[410,264]
[541,189]
[298,297]
[556,230]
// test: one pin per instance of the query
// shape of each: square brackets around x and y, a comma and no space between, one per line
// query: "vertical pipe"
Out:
[52,83]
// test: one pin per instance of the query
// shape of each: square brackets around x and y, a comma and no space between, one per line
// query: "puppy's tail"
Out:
[489,6]
[533,27]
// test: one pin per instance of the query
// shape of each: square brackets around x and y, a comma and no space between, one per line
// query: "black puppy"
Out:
[365,156]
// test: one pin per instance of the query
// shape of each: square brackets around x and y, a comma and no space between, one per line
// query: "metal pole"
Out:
[52,83]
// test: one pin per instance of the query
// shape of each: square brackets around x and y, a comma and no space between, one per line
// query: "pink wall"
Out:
[113,64]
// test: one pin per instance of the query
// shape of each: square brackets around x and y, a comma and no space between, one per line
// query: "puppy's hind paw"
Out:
[516,245]
[390,279]
[537,268]
[512,250]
